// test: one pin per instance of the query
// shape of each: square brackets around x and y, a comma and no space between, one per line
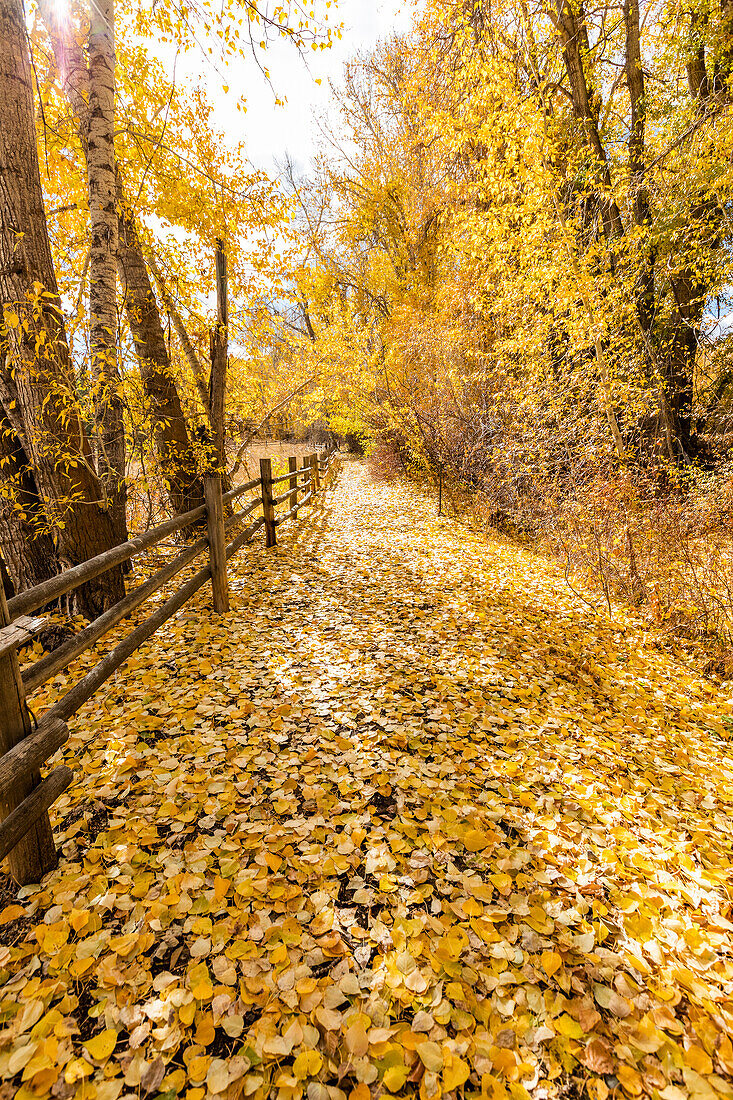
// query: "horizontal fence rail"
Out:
[65,582]
[25,798]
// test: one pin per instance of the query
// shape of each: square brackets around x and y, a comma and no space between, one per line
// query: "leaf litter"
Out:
[408,820]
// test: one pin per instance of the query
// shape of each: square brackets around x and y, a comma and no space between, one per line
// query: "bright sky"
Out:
[271,131]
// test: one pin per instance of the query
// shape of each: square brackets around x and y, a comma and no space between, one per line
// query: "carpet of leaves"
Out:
[410,819]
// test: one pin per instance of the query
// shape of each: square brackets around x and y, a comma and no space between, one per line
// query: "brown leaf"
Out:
[153,1075]
[597,1057]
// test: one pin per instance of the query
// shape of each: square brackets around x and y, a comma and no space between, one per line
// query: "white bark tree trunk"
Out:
[103,257]
[37,397]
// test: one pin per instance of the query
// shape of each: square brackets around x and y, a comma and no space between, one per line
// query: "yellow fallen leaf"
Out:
[455,1074]
[233,1025]
[107,1090]
[430,1055]
[307,1064]
[20,1058]
[76,1069]
[476,841]
[198,1067]
[610,999]
[11,912]
[567,1026]
[698,1059]
[217,1076]
[322,923]
[124,945]
[101,1046]
[551,962]
[78,919]
[631,1081]
[200,982]
[395,1077]
[356,1040]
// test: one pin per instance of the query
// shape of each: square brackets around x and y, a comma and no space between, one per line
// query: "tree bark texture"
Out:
[219,346]
[188,349]
[100,157]
[572,34]
[26,543]
[36,370]
[176,454]
[670,335]
[35,854]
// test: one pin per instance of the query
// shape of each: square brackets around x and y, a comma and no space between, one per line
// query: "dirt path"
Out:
[409,818]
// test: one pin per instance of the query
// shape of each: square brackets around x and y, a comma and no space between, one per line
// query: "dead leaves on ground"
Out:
[410,823]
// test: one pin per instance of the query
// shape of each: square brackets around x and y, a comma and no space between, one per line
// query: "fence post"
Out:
[35,854]
[268,508]
[329,460]
[293,483]
[316,473]
[217,544]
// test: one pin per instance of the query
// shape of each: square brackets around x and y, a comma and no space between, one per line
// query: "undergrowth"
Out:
[658,544]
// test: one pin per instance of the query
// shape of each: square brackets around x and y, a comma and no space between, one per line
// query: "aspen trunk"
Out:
[103,259]
[176,455]
[38,370]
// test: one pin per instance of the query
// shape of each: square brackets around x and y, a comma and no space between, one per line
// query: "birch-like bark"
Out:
[36,371]
[219,356]
[175,453]
[100,156]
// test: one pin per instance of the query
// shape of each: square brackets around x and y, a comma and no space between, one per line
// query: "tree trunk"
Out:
[103,260]
[175,451]
[644,289]
[572,33]
[26,544]
[678,354]
[39,366]
[188,349]
[670,352]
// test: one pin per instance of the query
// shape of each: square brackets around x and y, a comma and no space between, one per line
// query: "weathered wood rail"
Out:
[25,827]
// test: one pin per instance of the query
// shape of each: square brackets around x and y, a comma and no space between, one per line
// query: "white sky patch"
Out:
[270,132]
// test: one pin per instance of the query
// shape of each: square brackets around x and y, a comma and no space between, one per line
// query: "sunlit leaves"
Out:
[373,830]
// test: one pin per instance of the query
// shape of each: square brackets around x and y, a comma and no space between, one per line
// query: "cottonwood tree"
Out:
[37,388]
[176,453]
[527,228]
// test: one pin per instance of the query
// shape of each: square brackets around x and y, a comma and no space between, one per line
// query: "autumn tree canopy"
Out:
[527,236]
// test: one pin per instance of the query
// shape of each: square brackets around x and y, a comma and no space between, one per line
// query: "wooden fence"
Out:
[25,827]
